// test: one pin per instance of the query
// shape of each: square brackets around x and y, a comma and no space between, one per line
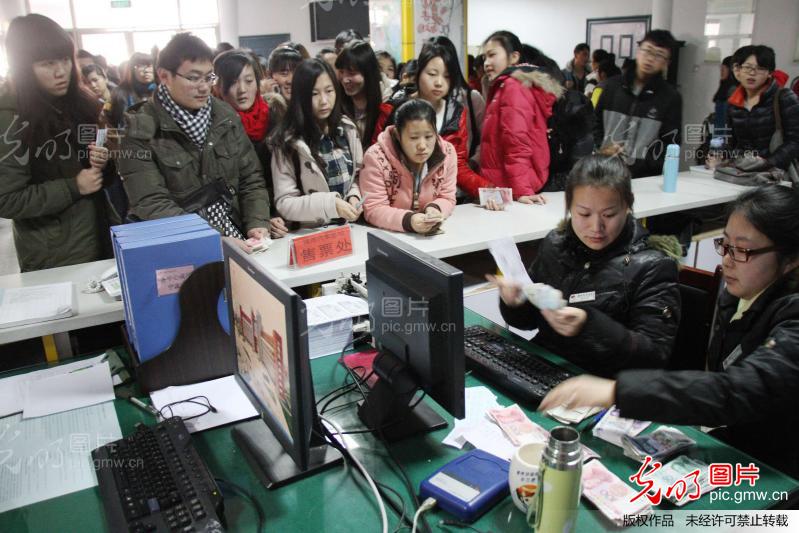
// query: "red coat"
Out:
[514,151]
[455,132]
[382,117]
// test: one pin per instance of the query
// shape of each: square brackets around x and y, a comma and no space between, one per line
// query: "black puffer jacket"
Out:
[635,311]
[752,130]
[755,397]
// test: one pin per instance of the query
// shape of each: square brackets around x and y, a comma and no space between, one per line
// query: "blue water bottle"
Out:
[671,167]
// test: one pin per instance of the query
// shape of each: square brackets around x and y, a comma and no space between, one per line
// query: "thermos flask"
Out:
[555,508]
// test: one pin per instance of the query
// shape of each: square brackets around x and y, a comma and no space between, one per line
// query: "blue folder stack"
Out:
[153,259]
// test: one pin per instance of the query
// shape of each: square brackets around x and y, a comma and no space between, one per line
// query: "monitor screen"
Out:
[259,321]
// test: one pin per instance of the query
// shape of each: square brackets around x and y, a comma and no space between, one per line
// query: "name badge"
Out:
[582,297]
[734,356]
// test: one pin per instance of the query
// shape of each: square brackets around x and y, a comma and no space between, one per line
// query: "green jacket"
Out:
[165,174]
[53,224]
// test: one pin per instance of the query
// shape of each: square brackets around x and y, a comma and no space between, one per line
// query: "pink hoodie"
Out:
[387,184]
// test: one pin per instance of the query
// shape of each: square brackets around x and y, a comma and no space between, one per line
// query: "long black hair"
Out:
[507,40]
[299,122]
[359,56]
[432,50]
[78,106]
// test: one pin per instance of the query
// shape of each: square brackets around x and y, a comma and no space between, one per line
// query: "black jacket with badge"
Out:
[755,396]
[166,174]
[645,123]
[629,291]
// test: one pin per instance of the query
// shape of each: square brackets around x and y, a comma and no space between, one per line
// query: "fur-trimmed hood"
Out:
[531,76]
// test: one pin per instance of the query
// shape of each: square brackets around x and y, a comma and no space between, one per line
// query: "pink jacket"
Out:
[387,184]
[515,151]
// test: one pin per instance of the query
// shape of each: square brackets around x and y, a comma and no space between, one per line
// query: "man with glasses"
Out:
[186,151]
[639,113]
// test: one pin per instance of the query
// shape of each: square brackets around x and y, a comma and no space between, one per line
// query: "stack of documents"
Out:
[38,303]
[153,259]
[330,321]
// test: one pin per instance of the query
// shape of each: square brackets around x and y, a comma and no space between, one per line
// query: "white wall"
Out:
[264,17]
[553,27]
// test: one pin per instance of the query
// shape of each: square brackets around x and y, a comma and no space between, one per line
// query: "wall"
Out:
[259,17]
[554,27]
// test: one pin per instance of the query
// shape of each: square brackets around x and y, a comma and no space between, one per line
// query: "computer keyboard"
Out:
[154,480]
[512,368]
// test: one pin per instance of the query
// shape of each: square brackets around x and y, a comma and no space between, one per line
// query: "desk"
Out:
[469,229]
[338,499]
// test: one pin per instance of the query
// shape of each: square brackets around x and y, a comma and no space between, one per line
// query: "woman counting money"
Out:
[752,361]
[623,303]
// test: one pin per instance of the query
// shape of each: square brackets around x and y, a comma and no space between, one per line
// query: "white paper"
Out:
[39,303]
[478,401]
[14,389]
[46,457]
[506,256]
[490,438]
[334,307]
[224,394]
[81,387]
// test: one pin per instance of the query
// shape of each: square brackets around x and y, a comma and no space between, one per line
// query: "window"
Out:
[728,26]
[117,32]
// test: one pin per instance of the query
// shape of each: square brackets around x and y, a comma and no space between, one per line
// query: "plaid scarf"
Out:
[338,161]
[194,125]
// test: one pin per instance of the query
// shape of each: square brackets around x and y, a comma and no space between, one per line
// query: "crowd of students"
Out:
[261,146]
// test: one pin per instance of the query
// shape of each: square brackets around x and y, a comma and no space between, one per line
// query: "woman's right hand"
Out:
[509,291]
[346,210]
[423,224]
[90,180]
[493,205]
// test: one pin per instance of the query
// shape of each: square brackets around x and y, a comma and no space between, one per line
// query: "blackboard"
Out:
[329,17]
[263,44]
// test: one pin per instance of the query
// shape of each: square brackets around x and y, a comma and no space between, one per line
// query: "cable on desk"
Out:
[247,496]
[428,504]
[369,480]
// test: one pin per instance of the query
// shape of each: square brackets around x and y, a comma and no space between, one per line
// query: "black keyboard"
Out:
[154,480]
[514,369]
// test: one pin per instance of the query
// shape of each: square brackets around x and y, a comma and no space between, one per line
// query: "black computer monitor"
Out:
[269,335]
[416,311]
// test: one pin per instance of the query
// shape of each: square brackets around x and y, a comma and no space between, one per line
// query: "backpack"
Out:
[570,135]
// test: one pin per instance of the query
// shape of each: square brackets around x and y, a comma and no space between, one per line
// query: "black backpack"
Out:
[570,134]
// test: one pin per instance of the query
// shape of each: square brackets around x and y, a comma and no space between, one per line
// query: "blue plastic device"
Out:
[468,486]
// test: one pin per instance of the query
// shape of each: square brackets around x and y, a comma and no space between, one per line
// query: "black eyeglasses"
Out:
[737,254]
[190,408]
[198,80]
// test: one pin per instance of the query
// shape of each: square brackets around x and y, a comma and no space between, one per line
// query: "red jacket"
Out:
[514,151]
[454,130]
[382,117]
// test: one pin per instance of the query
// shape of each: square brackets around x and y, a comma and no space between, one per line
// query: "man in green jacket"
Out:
[186,151]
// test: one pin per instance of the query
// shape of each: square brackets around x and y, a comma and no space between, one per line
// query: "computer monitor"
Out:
[269,335]
[416,311]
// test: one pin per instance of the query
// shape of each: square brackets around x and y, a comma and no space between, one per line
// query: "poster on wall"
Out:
[385,26]
[439,17]
[618,35]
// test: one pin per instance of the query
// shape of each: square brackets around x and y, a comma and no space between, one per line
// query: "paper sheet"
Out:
[486,304]
[506,255]
[81,387]
[46,457]
[478,401]
[39,303]
[14,388]
[333,307]
[224,394]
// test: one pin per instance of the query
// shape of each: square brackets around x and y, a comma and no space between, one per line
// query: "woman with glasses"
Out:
[753,358]
[752,112]
[50,184]
[137,85]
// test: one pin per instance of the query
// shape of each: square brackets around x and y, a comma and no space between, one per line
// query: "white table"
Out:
[469,229]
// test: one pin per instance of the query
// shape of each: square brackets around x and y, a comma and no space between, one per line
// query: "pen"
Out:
[143,406]
[595,420]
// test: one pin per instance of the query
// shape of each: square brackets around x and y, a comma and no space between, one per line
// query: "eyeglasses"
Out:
[188,409]
[143,67]
[739,255]
[198,80]
[654,54]
[751,69]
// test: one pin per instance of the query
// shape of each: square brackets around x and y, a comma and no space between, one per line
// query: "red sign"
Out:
[320,246]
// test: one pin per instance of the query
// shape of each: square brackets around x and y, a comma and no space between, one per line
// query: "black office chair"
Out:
[699,290]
